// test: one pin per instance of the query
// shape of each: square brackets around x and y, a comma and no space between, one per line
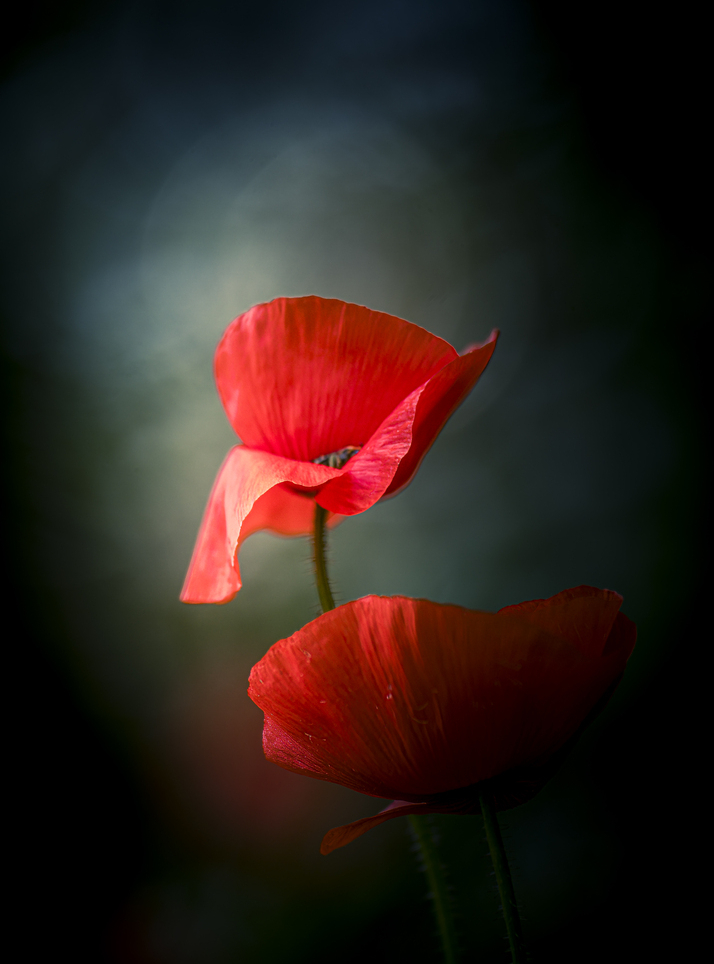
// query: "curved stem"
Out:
[503,878]
[437,882]
[318,555]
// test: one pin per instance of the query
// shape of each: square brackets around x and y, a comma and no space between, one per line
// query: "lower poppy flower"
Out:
[430,704]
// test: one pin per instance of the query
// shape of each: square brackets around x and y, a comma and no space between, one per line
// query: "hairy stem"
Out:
[437,882]
[318,554]
[503,878]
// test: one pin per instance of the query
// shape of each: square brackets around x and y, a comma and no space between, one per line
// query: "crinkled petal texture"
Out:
[301,378]
[248,495]
[406,699]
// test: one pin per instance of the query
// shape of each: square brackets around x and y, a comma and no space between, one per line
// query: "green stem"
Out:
[318,555]
[503,878]
[437,882]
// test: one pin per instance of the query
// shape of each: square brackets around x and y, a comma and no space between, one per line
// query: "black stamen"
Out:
[335,460]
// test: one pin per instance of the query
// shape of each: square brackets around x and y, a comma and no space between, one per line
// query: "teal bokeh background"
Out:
[172,165]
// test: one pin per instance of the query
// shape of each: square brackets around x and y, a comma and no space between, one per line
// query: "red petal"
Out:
[285,512]
[622,638]
[443,394]
[341,836]
[387,463]
[583,615]
[235,509]
[366,476]
[404,698]
[303,377]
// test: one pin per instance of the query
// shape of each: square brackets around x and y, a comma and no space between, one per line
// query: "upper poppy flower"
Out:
[334,403]
[430,704]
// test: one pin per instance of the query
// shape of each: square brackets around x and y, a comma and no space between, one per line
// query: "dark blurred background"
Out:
[464,165]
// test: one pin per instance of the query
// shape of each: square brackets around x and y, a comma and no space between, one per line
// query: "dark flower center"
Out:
[335,460]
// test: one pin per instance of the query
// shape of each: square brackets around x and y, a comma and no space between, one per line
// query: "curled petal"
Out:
[404,698]
[284,511]
[387,462]
[245,497]
[341,836]
[303,377]
[368,474]
[442,395]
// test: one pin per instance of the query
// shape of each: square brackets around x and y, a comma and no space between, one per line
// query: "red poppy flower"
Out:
[334,403]
[429,704]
